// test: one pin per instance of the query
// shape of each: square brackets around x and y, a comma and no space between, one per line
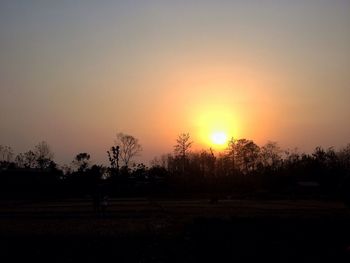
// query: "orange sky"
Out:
[75,74]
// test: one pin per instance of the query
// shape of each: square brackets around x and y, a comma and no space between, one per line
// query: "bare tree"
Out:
[26,160]
[182,147]
[6,153]
[129,147]
[344,156]
[20,160]
[270,155]
[43,155]
[183,144]
[232,152]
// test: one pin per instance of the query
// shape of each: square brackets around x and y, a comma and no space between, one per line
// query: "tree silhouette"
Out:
[113,156]
[207,162]
[247,155]
[182,147]
[232,152]
[344,157]
[43,155]
[270,155]
[129,147]
[81,161]
[6,153]
[29,159]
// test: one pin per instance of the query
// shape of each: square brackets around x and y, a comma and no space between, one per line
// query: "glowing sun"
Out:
[219,138]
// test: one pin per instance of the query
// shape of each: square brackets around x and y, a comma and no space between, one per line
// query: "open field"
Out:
[144,230]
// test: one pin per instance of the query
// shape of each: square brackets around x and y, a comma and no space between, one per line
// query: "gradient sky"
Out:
[76,72]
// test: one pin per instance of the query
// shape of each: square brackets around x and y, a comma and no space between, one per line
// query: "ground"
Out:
[150,230]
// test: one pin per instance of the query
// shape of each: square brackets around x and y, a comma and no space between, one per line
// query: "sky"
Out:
[75,73]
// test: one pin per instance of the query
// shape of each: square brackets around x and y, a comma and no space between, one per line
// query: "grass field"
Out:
[144,230]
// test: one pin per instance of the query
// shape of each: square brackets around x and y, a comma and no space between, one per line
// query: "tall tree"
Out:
[232,152]
[182,147]
[270,155]
[129,147]
[247,155]
[207,162]
[43,155]
[113,156]
[6,153]
[344,157]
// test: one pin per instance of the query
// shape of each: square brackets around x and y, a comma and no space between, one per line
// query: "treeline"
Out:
[242,170]
[246,170]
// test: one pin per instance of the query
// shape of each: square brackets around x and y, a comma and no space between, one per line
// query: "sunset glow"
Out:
[215,125]
[154,69]
[185,114]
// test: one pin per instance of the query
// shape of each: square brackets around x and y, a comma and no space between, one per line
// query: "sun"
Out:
[214,126]
[219,138]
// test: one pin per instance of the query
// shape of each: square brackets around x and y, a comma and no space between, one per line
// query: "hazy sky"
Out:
[76,72]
